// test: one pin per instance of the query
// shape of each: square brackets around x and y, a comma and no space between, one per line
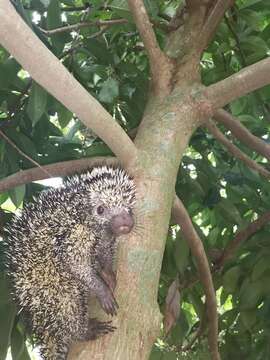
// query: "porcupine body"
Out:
[60,250]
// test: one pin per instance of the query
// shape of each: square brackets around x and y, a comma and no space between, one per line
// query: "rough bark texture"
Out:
[168,123]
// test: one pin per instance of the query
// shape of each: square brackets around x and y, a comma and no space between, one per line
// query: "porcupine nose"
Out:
[122,223]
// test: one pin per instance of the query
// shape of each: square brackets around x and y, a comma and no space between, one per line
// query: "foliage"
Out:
[220,193]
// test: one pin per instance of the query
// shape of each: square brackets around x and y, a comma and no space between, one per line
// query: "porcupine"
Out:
[60,249]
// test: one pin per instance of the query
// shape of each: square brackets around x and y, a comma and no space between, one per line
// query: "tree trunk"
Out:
[161,141]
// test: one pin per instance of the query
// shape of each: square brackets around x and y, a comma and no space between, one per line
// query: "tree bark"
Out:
[170,119]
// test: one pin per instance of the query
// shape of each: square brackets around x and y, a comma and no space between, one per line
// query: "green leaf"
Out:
[98,150]
[248,3]
[4,290]
[180,330]
[3,197]
[121,9]
[254,19]
[250,294]
[17,344]
[237,106]
[7,315]
[259,268]
[17,195]
[53,22]
[171,355]
[37,103]
[156,354]
[181,253]
[99,50]
[64,115]
[151,8]
[25,355]
[23,142]
[230,279]
[254,44]
[109,91]
[230,211]
[8,74]
[19,7]
[213,235]
[248,318]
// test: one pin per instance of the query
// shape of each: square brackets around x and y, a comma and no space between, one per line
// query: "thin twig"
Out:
[235,151]
[242,133]
[8,140]
[241,237]
[75,8]
[182,218]
[74,27]
[64,8]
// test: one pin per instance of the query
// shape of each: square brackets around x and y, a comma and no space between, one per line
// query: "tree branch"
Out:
[57,169]
[76,8]
[242,236]
[245,81]
[160,64]
[235,151]
[48,71]
[84,24]
[242,133]
[182,218]
[212,22]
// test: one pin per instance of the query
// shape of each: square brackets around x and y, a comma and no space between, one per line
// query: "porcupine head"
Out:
[61,249]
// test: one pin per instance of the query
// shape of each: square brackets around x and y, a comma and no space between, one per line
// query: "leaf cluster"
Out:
[220,193]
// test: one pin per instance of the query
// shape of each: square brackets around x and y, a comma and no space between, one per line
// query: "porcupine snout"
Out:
[122,223]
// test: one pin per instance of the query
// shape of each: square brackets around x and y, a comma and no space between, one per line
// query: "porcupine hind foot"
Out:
[98,328]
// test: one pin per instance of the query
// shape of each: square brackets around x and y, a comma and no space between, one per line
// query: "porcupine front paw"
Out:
[108,302]
[98,328]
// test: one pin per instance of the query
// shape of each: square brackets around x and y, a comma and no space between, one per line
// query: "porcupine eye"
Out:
[100,210]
